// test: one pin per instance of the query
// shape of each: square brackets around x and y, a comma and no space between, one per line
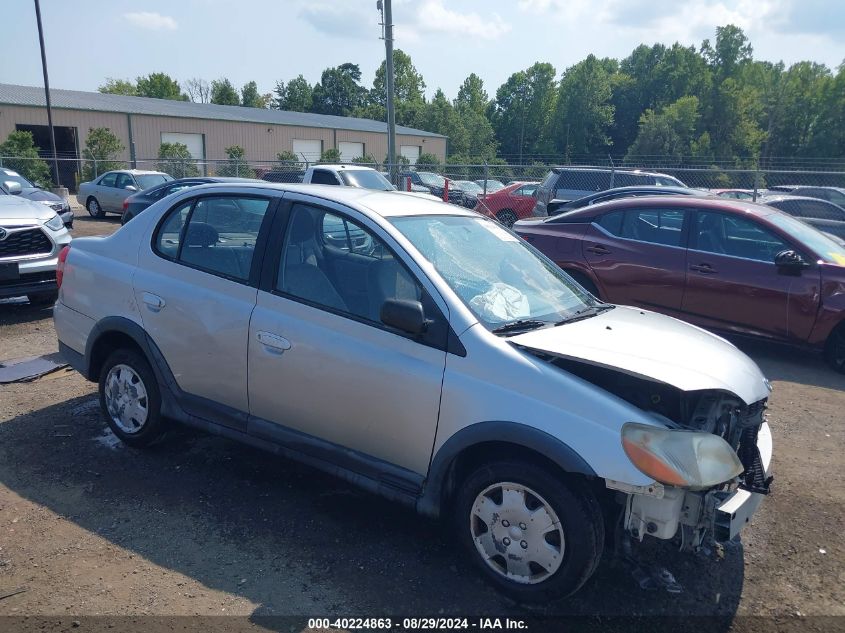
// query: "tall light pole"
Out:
[387,24]
[47,93]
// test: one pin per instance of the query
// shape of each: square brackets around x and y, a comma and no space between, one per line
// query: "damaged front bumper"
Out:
[698,518]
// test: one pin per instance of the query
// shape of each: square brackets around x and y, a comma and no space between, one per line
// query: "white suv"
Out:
[427,354]
[31,236]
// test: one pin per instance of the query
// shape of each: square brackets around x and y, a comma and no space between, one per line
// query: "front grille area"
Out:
[23,243]
[30,279]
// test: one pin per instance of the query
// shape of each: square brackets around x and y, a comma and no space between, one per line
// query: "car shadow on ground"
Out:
[18,310]
[780,362]
[290,539]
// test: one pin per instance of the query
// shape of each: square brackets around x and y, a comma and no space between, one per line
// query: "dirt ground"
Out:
[203,526]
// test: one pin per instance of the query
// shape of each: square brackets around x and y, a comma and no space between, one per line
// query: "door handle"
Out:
[706,269]
[273,342]
[154,302]
[598,249]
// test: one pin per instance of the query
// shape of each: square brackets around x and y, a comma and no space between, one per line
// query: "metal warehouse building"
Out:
[142,124]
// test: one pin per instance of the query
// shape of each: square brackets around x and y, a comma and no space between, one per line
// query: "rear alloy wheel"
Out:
[507,217]
[94,208]
[130,398]
[835,349]
[535,536]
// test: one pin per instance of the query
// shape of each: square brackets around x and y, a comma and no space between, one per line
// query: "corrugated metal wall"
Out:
[262,141]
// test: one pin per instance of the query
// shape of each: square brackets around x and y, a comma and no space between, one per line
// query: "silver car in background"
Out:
[427,354]
[106,193]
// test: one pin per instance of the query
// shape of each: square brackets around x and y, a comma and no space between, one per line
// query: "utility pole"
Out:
[387,24]
[47,93]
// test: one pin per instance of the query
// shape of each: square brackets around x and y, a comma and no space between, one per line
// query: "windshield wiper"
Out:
[585,313]
[521,324]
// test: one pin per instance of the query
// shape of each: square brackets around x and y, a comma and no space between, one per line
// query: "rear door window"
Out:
[658,226]
[323,177]
[612,222]
[216,234]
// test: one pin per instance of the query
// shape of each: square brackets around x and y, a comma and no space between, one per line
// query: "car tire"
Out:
[130,398]
[43,298]
[585,282]
[834,350]
[507,217]
[94,208]
[506,500]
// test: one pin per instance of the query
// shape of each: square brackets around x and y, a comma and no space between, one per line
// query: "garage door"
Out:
[350,151]
[311,150]
[411,152]
[193,142]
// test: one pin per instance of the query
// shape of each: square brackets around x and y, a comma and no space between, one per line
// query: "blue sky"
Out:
[266,40]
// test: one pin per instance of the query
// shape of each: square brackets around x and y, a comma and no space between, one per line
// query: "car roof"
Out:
[383,203]
[136,172]
[779,198]
[643,172]
[839,189]
[708,203]
[345,167]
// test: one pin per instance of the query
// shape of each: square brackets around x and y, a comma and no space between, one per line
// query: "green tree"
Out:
[159,86]
[584,114]
[236,164]
[440,116]
[428,162]
[671,133]
[521,111]
[366,159]
[224,93]
[330,155]
[339,91]
[251,98]
[176,160]
[408,84]
[119,87]
[471,106]
[20,154]
[287,156]
[101,152]
[296,96]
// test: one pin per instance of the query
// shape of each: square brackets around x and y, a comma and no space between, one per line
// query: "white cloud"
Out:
[433,16]
[152,21]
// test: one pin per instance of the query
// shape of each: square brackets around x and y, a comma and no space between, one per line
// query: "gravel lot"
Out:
[201,525]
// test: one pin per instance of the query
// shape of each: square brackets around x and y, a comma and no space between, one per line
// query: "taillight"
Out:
[60,267]
[125,204]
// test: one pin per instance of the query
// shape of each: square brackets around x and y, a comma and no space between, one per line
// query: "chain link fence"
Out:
[483,178]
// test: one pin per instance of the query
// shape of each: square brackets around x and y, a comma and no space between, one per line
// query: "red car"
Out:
[726,265]
[510,204]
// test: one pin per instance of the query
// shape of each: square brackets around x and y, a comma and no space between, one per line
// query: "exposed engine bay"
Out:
[697,520]
[716,412]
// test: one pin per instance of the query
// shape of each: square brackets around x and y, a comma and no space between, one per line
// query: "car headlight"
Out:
[687,459]
[55,206]
[55,223]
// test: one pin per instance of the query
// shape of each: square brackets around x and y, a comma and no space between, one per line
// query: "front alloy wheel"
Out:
[94,208]
[507,217]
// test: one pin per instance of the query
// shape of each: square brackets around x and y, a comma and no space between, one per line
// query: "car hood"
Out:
[31,193]
[418,194]
[18,208]
[655,347]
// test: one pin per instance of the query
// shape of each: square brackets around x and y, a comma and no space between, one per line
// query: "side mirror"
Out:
[14,188]
[132,188]
[790,262]
[404,315]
